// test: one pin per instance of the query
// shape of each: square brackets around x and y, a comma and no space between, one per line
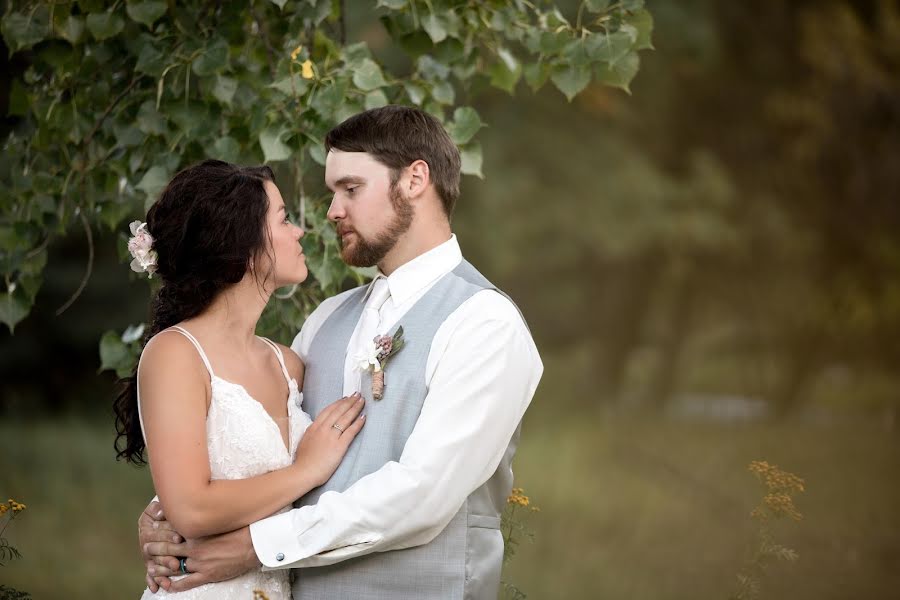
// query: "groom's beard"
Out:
[368,253]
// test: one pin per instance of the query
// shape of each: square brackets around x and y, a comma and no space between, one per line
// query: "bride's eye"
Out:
[287,218]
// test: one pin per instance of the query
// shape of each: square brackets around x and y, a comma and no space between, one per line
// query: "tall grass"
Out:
[629,510]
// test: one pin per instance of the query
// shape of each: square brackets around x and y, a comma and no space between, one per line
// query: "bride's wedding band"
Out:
[182,563]
[338,427]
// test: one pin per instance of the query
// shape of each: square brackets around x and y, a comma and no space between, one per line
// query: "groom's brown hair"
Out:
[396,136]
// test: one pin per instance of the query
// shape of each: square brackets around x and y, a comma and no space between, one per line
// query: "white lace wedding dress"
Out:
[243,441]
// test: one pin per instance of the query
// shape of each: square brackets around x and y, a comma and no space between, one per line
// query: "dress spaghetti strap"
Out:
[196,344]
[280,356]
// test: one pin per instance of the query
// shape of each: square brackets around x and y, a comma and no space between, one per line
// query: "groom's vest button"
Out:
[279,557]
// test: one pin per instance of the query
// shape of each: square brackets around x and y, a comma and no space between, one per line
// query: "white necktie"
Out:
[368,323]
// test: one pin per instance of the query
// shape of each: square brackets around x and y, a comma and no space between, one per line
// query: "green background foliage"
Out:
[117,97]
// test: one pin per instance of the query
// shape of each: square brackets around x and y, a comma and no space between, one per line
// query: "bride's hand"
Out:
[326,441]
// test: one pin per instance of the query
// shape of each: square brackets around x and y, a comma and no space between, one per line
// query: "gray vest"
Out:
[463,562]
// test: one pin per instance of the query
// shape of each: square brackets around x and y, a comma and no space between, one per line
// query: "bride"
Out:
[218,408]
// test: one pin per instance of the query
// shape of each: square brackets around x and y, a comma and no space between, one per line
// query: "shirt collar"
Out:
[421,271]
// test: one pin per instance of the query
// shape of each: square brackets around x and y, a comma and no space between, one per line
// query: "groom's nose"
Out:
[336,210]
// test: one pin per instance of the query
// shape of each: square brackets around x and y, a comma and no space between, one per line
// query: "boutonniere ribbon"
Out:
[375,356]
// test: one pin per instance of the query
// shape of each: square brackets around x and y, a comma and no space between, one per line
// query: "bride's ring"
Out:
[338,427]
[182,563]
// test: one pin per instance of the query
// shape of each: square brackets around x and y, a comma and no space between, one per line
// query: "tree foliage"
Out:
[118,96]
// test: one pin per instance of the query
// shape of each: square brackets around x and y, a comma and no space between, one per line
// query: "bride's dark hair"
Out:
[208,224]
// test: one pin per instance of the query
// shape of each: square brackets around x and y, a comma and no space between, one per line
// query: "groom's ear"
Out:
[418,178]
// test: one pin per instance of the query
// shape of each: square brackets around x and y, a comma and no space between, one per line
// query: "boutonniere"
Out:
[375,356]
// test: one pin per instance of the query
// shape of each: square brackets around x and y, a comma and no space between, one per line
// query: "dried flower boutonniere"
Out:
[375,356]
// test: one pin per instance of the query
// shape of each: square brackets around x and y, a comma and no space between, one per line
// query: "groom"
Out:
[413,511]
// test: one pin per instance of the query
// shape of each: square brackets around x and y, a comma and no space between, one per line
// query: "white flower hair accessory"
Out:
[140,245]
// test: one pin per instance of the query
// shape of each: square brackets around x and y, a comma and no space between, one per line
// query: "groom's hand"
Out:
[209,559]
[153,527]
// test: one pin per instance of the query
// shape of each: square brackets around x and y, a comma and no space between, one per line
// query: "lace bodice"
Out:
[244,441]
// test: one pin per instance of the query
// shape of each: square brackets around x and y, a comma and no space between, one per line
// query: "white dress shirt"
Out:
[482,371]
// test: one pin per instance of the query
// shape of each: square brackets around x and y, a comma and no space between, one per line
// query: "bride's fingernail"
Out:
[176,538]
[151,570]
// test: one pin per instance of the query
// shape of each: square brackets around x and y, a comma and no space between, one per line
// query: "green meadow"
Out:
[629,509]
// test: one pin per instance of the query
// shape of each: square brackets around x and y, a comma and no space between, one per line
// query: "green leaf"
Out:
[153,182]
[470,157]
[192,119]
[283,85]
[554,41]
[642,21]
[415,92]
[150,120]
[611,47]
[73,30]
[146,12]
[105,25]
[24,31]
[354,54]
[505,74]
[375,99]
[227,149]
[466,124]
[317,153]
[367,76]
[213,59]
[571,80]
[127,135]
[114,353]
[392,4]
[536,75]
[443,92]
[327,100]
[596,5]
[434,27]
[621,73]
[14,307]
[224,89]
[274,149]
[432,69]
[150,61]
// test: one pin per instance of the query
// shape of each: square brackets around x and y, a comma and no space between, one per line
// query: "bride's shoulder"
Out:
[168,352]
[293,363]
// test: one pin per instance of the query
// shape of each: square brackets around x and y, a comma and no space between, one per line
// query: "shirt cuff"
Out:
[277,543]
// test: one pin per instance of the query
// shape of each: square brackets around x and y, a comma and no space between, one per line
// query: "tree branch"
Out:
[88,271]
[109,109]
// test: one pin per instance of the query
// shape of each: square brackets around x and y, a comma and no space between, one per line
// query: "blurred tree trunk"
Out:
[680,311]
[623,296]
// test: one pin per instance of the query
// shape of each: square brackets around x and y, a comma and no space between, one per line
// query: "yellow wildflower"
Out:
[518,497]
[781,488]
[306,69]
[296,52]
[3,509]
